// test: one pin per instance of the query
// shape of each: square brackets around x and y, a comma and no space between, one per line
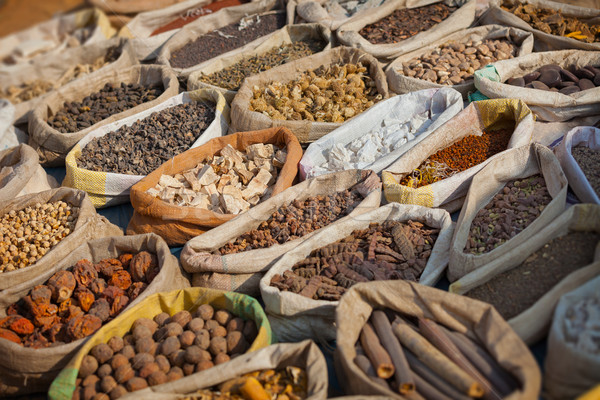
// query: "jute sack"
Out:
[28,370]
[21,173]
[89,225]
[400,83]
[568,371]
[211,23]
[57,69]
[585,136]
[448,193]
[316,11]
[348,34]
[545,41]
[10,135]
[189,299]
[294,317]
[547,106]
[440,104]
[533,324]
[476,319]
[177,224]
[286,35]
[52,145]
[197,255]
[307,131]
[108,188]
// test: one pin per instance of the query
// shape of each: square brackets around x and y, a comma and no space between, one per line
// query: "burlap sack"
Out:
[448,193]
[300,11]
[547,106]
[400,83]
[476,319]
[131,6]
[545,41]
[241,283]
[10,135]
[547,133]
[243,119]
[348,34]
[294,317]
[568,371]
[211,23]
[52,145]
[197,255]
[176,224]
[89,225]
[533,324]
[286,35]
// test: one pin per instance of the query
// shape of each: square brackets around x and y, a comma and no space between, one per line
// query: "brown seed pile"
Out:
[387,251]
[512,210]
[589,162]
[553,78]
[163,349]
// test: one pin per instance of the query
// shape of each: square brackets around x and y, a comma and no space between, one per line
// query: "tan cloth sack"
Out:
[131,6]
[300,11]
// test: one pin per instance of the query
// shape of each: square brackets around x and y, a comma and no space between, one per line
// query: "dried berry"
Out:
[223,317]
[204,364]
[177,358]
[128,351]
[141,359]
[107,384]
[145,345]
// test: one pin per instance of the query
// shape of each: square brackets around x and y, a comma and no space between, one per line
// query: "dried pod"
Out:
[62,284]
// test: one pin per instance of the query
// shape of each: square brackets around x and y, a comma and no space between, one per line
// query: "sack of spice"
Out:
[437,172]
[329,13]
[241,250]
[490,42]
[27,84]
[180,303]
[108,161]
[68,114]
[310,80]
[287,44]
[398,27]
[378,137]
[555,26]
[578,153]
[545,94]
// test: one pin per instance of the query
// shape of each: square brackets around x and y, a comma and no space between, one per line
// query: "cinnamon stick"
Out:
[436,360]
[365,365]
[428,390]
[402,375]
[374,350]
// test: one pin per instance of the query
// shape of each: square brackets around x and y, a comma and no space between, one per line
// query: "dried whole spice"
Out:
[84,272]
[589,161]
[120,279]
[108,267]
[581,325]
[554,78]
[61,286]
[140,263]
[83,326]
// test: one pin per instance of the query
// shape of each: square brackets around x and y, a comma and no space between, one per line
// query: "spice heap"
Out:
[554,22]
[27,235]
[589,161]
[232,77]
[295,220]
[509,212]
[334,93]
[388,251]
[110,100]
[282,384]
[225,39]
[342,9]
[514,291]
[163,349]
[462,155]
[582,325]
[427,359]
[453,63]
[142,147]
[556,79]
[228,183]
[405,23]
[74,303]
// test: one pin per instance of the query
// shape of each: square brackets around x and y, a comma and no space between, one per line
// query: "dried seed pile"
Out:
[110,100]
[512,210]
[232,77]
[581,326]
[27,235]
[295,220]
[556,79]
[514,291]
[388,251]
[145,145]
[405,23]
[589,161]
[74,303]
[225,39]
[333,93]
[163,349]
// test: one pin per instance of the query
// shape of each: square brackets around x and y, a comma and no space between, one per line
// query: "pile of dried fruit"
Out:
[387,251]
[74,303]
[589,161]
[582,325]
[27,235]
[556,79]
[163,350]
[230,182]
[328,94]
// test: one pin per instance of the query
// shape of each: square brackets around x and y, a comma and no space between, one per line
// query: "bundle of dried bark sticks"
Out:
[425,360]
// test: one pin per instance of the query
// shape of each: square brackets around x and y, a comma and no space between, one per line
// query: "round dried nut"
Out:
[117,361]
[140,360]
[90,380]
[174,374]
[550,77]
[177,358]
[136,383]
[204,364]
[107,384]
[195,324]
[88,366]
[128,351]
[205,311]
[129,339]
[188,369]
[516,82]
[157,378]
[171,329]
[186,339]
[147,322]
[170,345]
[221,358]
[218,345]
[585,84]
[101,396]
[182,318]
[78,393]
[202,339]
[89,392]
[163,363]
[223,317]
[193,354]
[206,355]
[236,324]
[569,90]
[116,343]
[104,370]
[211,324]
[218,331]
[539,85]
[148,370]
[530,77]
[102,352]
[161,318]
[145,345]
[236,342]
[140,332]
[118,392]
[124,373]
